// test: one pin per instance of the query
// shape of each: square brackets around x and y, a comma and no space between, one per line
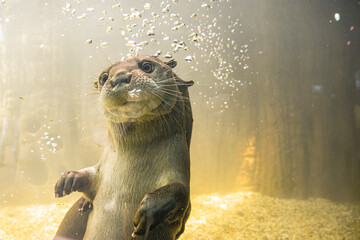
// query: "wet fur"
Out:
[141,158]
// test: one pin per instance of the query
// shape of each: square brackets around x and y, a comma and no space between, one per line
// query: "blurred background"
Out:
[276,102]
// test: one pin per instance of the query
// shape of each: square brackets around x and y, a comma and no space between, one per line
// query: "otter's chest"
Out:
[130,175]
[124,180]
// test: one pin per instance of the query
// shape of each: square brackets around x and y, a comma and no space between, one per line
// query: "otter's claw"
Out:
[85,205]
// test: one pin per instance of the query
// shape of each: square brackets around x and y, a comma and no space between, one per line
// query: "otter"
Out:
[140,187]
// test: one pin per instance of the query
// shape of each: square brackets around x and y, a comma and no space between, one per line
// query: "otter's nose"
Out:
[121,78]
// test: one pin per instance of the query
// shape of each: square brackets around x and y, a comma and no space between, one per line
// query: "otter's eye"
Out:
[103,78]
[147,67]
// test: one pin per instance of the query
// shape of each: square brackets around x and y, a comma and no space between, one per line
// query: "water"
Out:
[275,104]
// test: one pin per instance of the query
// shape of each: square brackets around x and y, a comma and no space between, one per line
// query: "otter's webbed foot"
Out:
[72,181]
[84,205]
[166,205]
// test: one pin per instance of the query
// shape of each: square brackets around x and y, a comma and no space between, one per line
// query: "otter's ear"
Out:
[96,84]
[172,63]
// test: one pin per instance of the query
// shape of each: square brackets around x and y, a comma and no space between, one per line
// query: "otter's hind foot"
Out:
[84,205]
[167,205]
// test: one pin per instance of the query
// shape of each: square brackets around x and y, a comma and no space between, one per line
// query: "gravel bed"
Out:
[236,216]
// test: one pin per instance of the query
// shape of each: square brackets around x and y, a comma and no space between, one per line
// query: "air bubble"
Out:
[147,6]
[189,58]
[130,43]
[135,15]
[104,44]
[67,5]
[181,25]
[168,55]
[206,6]
[158,53]
[194,37]
[145,22]
[154,15]
[144,43]
[150,33]
[84,15]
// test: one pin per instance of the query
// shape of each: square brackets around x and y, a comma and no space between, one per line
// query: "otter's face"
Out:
[138,89]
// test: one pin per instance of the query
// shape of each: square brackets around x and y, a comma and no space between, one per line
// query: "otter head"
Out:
[138,89]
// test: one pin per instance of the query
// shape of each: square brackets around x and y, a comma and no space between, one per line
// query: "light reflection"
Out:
[239,215]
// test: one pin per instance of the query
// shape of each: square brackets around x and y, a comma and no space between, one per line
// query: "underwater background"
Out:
[275,152]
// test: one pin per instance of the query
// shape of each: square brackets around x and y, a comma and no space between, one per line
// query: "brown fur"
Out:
[142,179]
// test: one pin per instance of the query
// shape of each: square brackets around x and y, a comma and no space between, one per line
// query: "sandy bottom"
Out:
[235,216]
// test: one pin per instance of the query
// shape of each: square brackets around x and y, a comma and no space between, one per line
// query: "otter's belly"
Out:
[110,219]
[119,194]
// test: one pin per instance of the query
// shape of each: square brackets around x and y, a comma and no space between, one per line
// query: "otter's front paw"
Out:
[70,182]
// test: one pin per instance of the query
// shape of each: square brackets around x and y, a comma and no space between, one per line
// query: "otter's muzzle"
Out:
[120,79]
